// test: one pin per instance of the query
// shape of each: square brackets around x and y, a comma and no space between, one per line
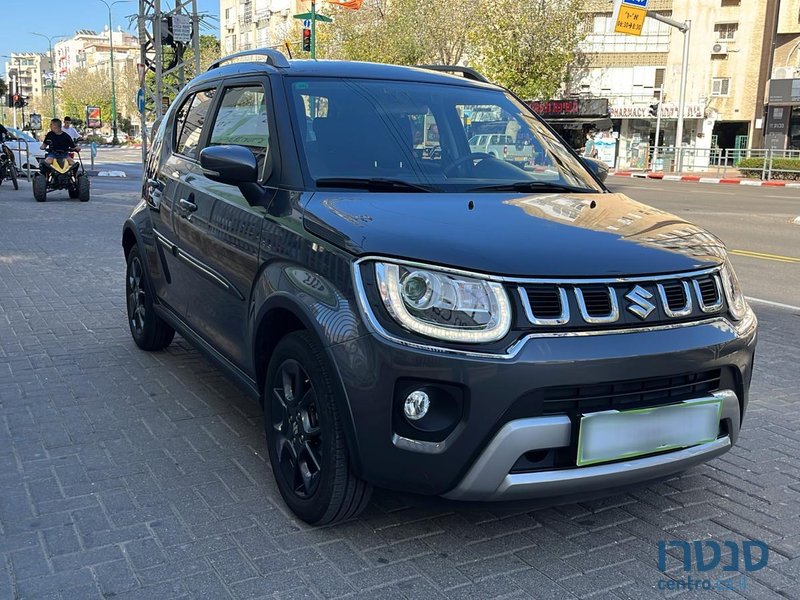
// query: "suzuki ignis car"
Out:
[447,323]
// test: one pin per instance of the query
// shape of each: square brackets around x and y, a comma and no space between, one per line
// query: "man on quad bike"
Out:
[60,171]
[58,143]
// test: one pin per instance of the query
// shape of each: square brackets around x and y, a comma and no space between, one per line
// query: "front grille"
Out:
[675,294]
[575,305]
[597,300]
[708,290]
[545,301]
[624,395]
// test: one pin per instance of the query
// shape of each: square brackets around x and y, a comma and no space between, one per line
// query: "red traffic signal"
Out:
[306,40]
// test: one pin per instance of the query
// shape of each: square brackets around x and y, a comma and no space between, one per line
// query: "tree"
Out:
[527,45]
[83,88]
[3,88]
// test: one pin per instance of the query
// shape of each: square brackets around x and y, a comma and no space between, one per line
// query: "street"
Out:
[133,475]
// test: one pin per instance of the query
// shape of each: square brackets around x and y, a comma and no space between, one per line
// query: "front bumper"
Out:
[490,478]
[474,462]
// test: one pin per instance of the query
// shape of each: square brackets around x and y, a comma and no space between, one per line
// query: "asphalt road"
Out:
[754,222]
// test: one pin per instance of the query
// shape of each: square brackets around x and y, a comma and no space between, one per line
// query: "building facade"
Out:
[725,82]
[783,100]
[246,24]
[28,72]
[92,50]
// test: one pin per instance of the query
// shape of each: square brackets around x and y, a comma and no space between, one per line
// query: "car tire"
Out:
[305,435]
[84,188]
[149,331]
[39,188]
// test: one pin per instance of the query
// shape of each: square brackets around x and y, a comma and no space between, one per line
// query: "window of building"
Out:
[720,86]
[230,44]
[726,31]
[731,3]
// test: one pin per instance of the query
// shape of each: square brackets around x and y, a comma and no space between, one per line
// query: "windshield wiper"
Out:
[532,186]
[373,184]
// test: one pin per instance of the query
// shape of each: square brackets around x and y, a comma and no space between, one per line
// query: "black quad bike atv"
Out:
[8,169]
[61,176]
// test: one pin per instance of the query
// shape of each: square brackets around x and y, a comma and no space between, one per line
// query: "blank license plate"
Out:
[614,435]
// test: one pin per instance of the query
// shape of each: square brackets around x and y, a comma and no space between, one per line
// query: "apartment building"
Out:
[783,110]
[92,50]
[246,24]
[27,72]
[725,83]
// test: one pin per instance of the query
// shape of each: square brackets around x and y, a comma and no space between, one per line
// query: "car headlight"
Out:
[443,305]
[737,305]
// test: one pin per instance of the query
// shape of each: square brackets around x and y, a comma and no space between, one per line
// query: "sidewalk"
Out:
[732,177]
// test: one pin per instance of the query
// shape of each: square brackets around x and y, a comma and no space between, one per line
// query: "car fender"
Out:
[323,310]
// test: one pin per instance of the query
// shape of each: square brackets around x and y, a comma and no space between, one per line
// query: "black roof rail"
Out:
[466,72]
[274,57]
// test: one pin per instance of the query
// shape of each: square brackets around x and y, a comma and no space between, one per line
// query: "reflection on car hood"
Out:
[544,235]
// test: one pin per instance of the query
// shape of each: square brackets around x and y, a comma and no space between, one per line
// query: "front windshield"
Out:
[443,137]
[21,134]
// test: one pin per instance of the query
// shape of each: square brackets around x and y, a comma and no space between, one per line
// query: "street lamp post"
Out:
[52,67]
[114,139]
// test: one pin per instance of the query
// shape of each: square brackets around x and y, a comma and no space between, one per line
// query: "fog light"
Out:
[416,405]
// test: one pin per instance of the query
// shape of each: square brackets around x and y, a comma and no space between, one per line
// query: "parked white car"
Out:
[22,157]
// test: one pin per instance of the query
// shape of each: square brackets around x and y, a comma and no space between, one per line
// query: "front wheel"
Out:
[39,187]
[83,188]
[149,331]
[12,171]
[305,435]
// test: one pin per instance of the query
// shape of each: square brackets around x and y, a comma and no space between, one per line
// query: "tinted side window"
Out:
[242,119]
[195,113]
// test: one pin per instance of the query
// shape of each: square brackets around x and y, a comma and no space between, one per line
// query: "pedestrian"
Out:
[590,150]
[58,143]
[69,129]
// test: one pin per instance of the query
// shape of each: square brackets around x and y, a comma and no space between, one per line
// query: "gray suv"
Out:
[451,323]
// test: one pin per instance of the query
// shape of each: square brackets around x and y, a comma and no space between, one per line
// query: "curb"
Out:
[699,179]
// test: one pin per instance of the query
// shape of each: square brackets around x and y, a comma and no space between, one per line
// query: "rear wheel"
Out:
[12,170]
[39,187]
[305,435]
[149,331]
[83,188]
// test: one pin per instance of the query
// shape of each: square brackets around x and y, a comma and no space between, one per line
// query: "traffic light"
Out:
[10,100]
[654,109]
[16,100]
[306,40]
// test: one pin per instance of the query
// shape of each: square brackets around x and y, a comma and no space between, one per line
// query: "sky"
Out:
[64,17]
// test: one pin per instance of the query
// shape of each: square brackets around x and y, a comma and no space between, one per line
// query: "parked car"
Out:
[503,146]
[451,325]
[122,138]
[27,150]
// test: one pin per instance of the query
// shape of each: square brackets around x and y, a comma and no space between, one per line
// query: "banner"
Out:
[93,120]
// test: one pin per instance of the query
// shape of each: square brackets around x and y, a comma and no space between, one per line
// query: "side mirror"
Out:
[598,168]
[233,165]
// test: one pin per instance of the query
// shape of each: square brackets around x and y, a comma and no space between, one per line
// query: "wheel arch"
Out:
[280,315]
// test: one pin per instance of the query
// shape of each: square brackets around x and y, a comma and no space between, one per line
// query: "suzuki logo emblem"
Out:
[640,302]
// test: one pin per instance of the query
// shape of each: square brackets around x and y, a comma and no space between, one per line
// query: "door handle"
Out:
[188,206]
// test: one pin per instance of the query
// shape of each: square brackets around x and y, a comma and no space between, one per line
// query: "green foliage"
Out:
[525,45]
[787,169]
[83,88]
[3,88]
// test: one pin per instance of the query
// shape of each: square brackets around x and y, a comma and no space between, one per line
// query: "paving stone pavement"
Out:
[130,475]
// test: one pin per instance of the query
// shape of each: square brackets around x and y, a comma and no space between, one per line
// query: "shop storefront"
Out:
[637,133]
[783,115]
[573,118]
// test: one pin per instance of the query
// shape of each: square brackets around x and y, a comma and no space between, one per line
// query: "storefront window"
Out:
[794,129]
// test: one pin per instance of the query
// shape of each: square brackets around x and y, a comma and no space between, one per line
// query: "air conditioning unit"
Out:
[719,48]
[786,73]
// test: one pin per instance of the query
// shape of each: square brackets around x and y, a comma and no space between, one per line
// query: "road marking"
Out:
[765,256]
[796,221]
[715,193]
[771,303]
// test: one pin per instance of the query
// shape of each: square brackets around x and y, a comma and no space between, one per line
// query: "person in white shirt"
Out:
[69,129]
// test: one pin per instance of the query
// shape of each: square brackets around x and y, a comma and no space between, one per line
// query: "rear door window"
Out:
[189,123]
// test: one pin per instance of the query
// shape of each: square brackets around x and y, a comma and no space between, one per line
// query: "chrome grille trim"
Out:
[562,319]
[709,308]
[611,317]
[682,312]
[619,294]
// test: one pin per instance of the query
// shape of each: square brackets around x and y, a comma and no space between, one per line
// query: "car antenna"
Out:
[289,50]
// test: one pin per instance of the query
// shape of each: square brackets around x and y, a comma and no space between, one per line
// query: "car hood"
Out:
[539,235]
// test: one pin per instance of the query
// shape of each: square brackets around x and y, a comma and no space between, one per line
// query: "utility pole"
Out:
[658,127]
[685,29]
